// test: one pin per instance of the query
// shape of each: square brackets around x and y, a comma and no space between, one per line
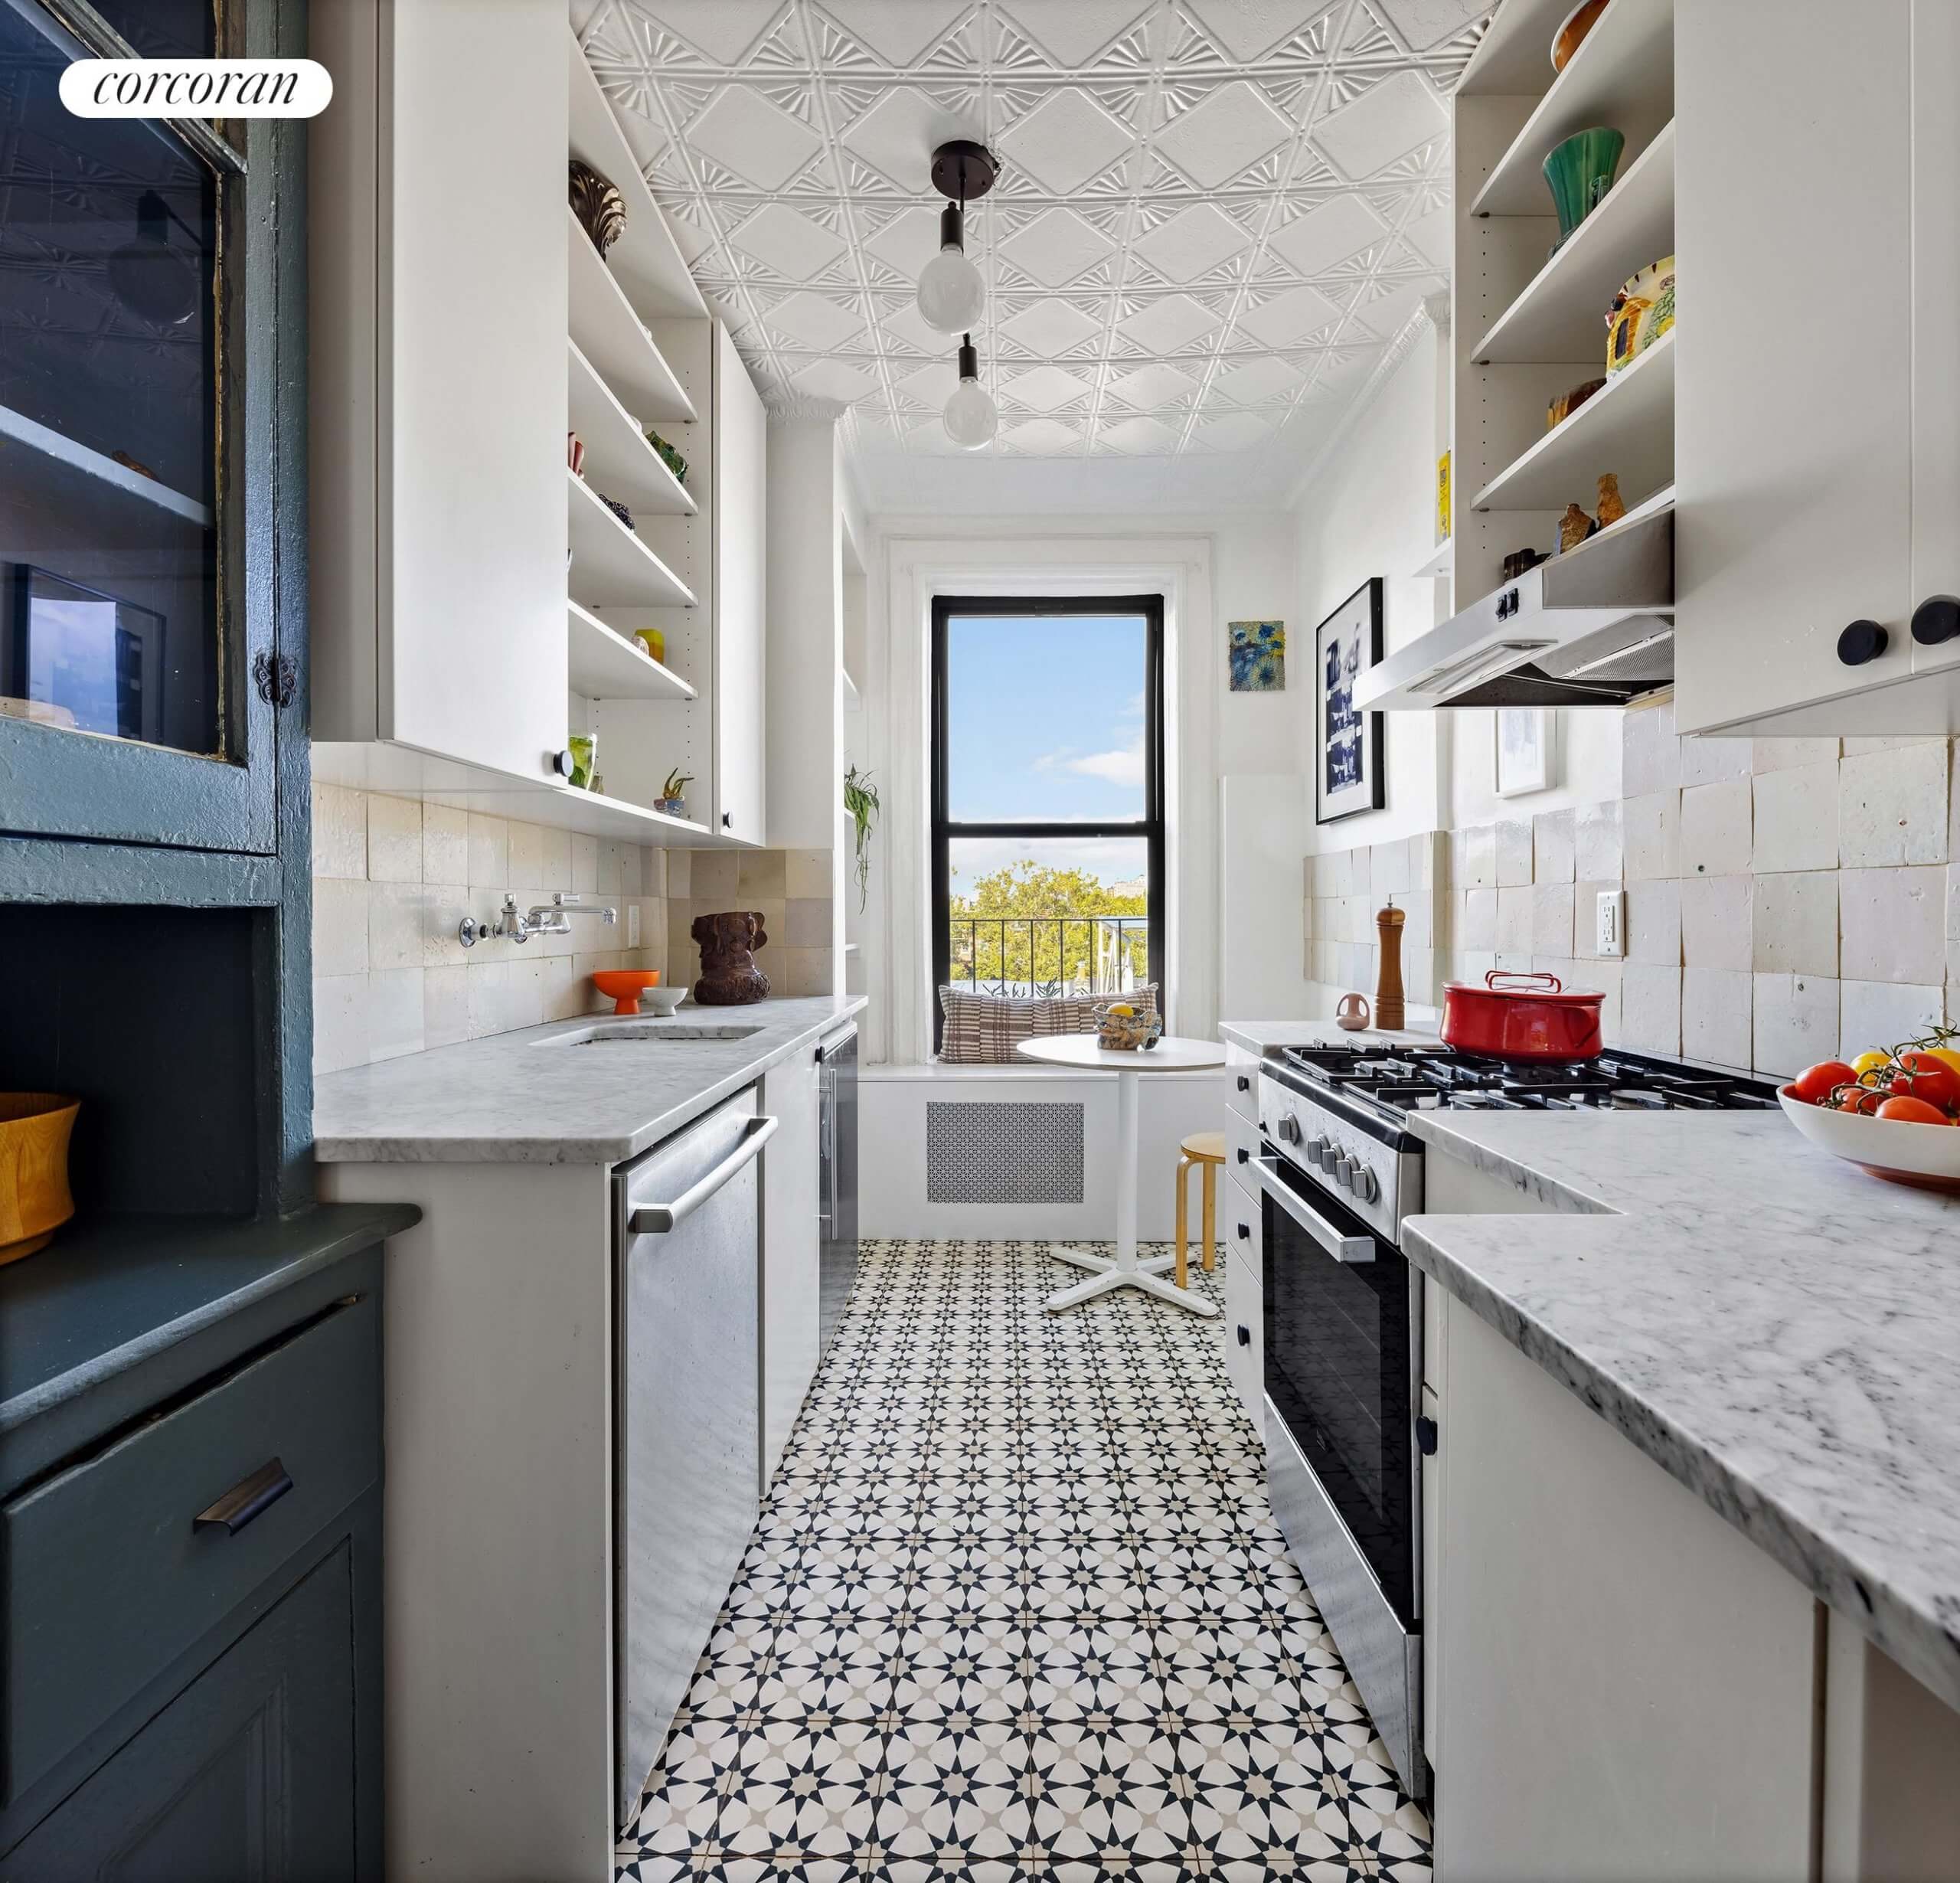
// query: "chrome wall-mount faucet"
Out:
[544,918]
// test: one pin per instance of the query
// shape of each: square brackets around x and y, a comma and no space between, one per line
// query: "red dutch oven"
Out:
[1521,1016]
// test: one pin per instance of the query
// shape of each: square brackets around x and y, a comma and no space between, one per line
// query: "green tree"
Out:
[1029,923]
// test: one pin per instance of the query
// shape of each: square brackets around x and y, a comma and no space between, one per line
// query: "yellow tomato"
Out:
[1947,1057]
[1127,1013]
[1866,1063]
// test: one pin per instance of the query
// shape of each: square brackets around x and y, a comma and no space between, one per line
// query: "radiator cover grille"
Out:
[1019,1152]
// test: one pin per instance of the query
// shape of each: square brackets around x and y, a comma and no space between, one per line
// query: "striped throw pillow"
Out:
[984,1029]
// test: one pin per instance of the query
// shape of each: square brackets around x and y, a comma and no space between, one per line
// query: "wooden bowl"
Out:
[1926,1156]
[34,1201]
[622,987]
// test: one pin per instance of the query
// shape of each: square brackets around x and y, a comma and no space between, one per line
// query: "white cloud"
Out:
[1117,768]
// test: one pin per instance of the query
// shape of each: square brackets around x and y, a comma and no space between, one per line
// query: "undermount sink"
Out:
[644,1032]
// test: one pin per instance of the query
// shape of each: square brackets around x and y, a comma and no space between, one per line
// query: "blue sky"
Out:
[1044,719]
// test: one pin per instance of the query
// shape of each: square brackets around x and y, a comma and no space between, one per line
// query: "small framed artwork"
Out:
[1348,772]
[1259,656]
[1526,749]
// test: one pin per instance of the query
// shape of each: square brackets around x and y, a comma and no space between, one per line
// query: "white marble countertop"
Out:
[1262,1036]
[524,1098]
[1778,1331]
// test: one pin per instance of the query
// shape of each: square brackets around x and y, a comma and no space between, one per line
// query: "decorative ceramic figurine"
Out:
[1579,172]
[1574,527]
[1641,311]
[1573,31]
[600,208]
[1612,506]
[729,977]
[1352,1013]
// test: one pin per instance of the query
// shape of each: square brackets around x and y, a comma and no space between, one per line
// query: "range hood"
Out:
[1593,627]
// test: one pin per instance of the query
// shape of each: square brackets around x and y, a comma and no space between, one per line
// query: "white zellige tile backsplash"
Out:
[1787,899]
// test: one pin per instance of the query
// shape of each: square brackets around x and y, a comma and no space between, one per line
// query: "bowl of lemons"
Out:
[1122,1029]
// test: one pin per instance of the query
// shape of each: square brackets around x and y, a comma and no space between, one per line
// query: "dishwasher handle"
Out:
[657,1219]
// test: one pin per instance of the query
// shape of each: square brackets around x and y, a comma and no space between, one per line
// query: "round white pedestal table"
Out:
[1084,1052]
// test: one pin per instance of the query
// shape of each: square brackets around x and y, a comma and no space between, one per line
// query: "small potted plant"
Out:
[673,799]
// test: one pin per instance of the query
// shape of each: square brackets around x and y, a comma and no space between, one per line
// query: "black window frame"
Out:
[1149,827]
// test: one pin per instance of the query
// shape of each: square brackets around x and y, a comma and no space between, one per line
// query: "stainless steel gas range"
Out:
[1339,1169]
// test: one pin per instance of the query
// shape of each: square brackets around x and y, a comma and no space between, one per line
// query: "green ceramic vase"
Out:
[1579,172]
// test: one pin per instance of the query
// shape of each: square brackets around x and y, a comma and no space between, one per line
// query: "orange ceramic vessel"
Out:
[622,986]
[34,1201]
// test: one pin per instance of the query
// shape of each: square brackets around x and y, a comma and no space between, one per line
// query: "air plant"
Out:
[860,800]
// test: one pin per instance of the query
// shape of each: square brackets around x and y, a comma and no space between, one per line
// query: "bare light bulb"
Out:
[972,418]
[950,293]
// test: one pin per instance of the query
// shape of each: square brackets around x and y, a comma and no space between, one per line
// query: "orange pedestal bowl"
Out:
[622,986]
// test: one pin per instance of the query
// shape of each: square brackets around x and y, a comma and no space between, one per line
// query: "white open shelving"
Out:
[603,663]
[613,337]
[618,459]
[1562,314]
[611,567]
[646,259]
[1622,75]
[1627,427]
[403,771]
[1442,562]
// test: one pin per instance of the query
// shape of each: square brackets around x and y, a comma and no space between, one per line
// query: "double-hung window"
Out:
[1047,790]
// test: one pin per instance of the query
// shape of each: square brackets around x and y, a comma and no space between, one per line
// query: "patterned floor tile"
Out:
[1017,1608]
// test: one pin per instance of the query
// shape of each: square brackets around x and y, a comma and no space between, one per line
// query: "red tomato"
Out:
[1912,1111]
[1815,1083]
[1863,1100]
[1929,1079]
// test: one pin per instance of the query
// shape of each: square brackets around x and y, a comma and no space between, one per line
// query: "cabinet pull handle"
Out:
[1245,1232]
[1936,619]
[1861,641]
[249,1498]
[1245,1156]
[1245,1084]
[1245,1334]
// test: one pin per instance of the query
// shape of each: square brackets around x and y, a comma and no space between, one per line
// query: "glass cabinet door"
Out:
[130,320]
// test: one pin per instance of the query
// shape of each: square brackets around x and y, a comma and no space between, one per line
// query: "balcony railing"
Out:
[1027,955]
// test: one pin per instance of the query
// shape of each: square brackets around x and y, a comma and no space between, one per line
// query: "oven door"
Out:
[1342,1322]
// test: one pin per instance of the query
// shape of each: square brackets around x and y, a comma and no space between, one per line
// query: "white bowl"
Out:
[1928,1155]
[662,1001]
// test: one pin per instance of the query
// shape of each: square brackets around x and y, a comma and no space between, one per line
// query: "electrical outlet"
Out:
[633,925]
[1610,923]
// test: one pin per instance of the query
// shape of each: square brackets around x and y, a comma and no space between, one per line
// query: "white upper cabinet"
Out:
[741,459]
[438,292]
[1817,170]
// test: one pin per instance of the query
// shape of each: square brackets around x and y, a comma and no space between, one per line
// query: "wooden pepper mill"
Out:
[1388,1015]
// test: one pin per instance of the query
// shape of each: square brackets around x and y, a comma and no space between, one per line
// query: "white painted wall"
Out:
[891,1123]
[1263,821]
[1370,511]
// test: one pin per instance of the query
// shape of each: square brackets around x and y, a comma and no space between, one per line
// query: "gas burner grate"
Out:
[1427,1078]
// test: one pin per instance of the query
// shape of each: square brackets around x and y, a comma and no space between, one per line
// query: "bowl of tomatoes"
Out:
[1895,1111]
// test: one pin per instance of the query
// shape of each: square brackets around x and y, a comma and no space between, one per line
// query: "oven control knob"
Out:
[1365,1186]
[1343,1172]
[1320,1153]
[1289,1128]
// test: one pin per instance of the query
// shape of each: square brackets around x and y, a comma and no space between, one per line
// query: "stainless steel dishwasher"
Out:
[687,1237]
[837,1154]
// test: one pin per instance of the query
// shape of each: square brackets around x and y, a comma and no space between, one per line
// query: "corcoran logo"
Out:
[203,88]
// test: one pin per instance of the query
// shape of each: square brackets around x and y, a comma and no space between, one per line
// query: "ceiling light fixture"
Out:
[950,293]
[972,417]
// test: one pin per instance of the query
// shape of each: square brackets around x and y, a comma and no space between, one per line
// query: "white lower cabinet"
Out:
[1245,1357]
[1624,1683]
[791,1253]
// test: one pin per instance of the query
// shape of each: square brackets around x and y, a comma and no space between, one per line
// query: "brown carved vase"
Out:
[729,977]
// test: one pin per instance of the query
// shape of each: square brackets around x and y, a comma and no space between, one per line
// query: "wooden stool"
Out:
[1206,1149]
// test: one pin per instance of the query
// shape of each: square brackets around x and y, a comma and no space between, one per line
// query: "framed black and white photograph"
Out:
[1348,772]
[1526,749]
